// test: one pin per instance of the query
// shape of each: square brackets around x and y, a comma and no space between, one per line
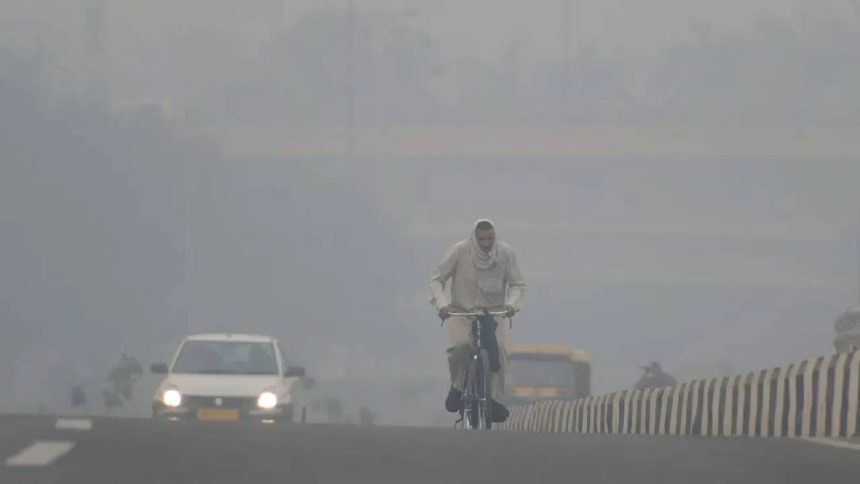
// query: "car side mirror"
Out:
[158,368]
[295,371]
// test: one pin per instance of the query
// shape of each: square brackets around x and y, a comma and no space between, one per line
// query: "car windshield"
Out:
[543,371]
[226,358]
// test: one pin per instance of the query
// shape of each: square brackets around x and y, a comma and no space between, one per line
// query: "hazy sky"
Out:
[483,28]
[125,235]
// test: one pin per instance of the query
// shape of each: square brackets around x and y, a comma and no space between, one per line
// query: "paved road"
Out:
[33,450]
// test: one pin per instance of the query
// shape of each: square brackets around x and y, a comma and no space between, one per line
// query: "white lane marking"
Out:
[83,424]
[833,443]
[40,454]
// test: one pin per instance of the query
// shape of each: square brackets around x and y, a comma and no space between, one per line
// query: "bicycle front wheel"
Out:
[471,409]
[485,391]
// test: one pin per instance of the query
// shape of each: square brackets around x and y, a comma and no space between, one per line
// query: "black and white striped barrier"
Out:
[813,398]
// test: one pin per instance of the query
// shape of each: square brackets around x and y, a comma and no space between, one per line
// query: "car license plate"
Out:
[217,414]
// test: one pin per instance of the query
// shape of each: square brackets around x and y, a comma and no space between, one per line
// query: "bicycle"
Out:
[476,409]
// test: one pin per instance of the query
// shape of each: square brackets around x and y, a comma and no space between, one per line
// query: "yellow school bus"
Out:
[555,372]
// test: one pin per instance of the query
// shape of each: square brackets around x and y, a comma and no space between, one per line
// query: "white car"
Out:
[225,377]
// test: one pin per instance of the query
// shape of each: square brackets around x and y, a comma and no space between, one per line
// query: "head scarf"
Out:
[481,259]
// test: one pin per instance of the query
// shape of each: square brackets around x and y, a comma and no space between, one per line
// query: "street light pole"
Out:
[350,75]
[565,29]
[94,17]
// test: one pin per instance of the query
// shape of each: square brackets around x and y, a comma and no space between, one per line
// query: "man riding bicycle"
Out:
[484,276]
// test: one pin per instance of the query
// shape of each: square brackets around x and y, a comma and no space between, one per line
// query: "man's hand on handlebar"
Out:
[445,313]
[510,310]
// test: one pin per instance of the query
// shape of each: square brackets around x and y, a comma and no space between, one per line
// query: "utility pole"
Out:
[96,62]
[565,34]
[350,75]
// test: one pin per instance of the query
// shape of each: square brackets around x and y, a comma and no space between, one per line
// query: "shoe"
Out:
[454,400]
[500,412]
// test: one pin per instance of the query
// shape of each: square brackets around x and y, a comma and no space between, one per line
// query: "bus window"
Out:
[581,379]
[541,371]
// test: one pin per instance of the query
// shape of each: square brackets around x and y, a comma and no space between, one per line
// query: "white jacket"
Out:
[472,288]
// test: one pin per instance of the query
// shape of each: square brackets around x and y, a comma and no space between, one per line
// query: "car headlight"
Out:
[172,398]
[267,400]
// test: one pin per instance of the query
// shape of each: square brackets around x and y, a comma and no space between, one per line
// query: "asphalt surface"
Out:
[152,452]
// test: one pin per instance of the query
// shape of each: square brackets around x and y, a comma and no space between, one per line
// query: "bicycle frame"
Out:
[472,400]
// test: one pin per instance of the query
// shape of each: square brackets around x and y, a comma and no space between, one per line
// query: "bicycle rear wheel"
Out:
[485,390]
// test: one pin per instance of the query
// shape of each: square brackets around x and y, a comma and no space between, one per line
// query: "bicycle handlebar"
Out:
[491,313]
[484,313]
